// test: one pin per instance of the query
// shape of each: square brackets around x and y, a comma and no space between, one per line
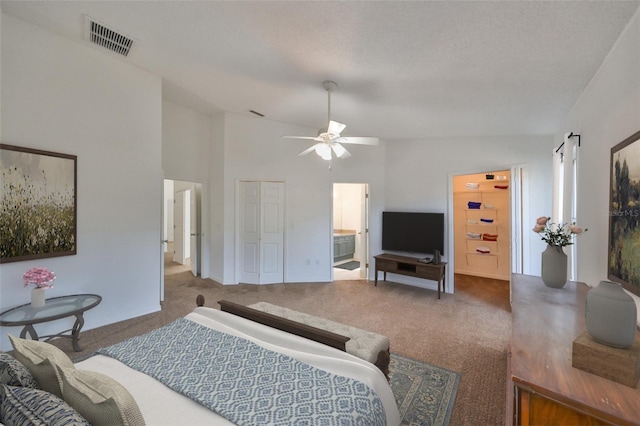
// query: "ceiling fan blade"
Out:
[310,149]
[340,150]
[313,138]
[358,140]
[335,128]
[329,141]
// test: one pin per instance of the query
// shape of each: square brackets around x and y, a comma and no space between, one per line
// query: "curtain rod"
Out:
[571,135]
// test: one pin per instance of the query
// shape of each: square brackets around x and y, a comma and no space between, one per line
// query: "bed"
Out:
[317,384]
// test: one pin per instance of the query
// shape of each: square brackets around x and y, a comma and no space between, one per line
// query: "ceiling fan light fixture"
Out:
[324,151]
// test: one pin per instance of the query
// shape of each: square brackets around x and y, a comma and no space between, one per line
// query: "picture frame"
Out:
[38,204]
[623,265]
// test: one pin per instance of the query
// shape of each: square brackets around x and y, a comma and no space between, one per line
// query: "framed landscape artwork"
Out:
[38,204]
[624,214]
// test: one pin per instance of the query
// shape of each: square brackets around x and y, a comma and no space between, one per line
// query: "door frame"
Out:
[362,233]
[198,190]
[163,238]
[518,203]
[181,225]
[195,237]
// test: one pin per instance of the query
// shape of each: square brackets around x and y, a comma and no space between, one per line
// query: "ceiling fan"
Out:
[329,140]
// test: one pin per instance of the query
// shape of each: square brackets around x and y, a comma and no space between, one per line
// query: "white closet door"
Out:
[261,232]
[249,232]
[272,233]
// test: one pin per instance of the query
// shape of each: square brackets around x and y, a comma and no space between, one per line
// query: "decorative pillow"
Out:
[40,358]
[26,406]
[99,398]
[14,373]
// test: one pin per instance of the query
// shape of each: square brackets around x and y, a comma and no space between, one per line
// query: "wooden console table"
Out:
[405,265]
[542,386]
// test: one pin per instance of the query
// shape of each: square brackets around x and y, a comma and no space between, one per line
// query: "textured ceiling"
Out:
[404,70]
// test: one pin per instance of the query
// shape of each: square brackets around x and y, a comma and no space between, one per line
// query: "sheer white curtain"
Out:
[565,174]
[558,185]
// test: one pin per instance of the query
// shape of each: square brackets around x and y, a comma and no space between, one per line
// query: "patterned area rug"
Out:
[425,393]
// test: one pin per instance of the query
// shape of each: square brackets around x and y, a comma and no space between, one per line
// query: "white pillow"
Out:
[99,398]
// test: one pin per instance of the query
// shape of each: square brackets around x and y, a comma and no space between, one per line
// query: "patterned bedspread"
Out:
[246,383]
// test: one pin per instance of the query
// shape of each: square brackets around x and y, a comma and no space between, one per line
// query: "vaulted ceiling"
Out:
[405,69]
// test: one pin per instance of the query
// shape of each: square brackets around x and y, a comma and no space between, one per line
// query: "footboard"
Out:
[322,336]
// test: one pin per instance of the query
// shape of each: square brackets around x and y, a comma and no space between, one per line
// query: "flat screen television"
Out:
[413,232]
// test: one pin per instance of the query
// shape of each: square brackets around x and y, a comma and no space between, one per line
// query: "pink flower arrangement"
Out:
[40,277]
[555,234]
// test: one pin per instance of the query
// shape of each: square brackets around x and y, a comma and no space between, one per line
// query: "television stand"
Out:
[410,266]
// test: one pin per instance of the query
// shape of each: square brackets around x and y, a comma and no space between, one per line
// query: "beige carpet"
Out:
[467,332]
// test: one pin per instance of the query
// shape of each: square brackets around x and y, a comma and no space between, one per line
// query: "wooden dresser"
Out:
[542,386]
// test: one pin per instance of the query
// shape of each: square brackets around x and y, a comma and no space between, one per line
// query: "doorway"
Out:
[350,231]
[482,224]
[512,180]
[182,220]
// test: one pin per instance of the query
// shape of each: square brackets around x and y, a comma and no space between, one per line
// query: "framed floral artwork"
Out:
[624,214]
[38,204]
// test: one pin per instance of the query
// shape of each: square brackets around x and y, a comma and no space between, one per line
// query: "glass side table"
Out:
[53,309]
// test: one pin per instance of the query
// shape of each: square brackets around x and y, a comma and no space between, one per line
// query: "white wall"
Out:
[254,150]
[240,147]
[65,97]
[347,206]
[216,194]
[186,137]
[1,77]
[412,177]
[186,146]
[607,113]
[419,173]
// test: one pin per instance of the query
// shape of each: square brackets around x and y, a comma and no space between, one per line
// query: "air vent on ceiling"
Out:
[103,36]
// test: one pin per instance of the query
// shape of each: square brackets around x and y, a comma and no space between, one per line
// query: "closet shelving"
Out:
[482,234]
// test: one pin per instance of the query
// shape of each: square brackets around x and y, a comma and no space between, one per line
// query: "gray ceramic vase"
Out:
[611,315]
[554,267]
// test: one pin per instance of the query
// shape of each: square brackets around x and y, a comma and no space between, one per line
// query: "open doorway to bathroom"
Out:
[350,231]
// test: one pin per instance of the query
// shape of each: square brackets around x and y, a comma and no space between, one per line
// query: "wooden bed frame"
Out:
[337,341]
